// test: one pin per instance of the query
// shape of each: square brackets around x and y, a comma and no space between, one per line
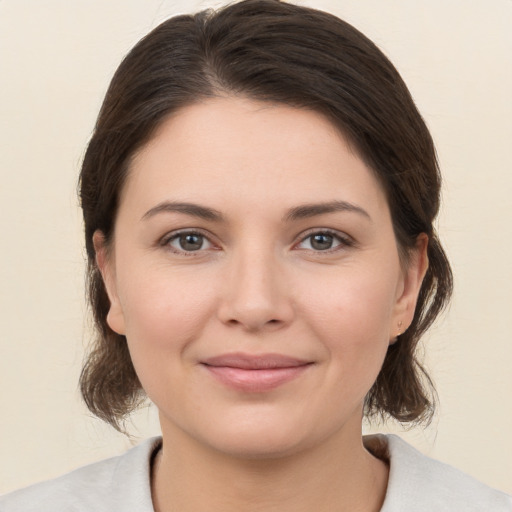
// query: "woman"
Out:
[258,200]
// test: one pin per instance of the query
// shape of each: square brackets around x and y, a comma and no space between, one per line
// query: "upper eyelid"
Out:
[176,232]
[339,234]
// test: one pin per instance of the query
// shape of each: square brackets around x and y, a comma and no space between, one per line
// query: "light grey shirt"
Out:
[122,484]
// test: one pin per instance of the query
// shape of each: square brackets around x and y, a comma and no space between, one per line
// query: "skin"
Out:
[258,283]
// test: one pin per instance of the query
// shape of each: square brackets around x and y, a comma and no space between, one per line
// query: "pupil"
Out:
[321,241]
[191,242]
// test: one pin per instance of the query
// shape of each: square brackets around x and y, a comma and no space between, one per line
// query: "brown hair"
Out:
[282,53]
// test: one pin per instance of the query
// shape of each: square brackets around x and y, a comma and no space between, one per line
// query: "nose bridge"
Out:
[256,292]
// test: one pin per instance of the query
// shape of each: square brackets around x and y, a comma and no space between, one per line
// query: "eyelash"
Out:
[344,241]
[166,241]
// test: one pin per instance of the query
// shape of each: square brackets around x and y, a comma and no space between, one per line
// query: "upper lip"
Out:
[255,361]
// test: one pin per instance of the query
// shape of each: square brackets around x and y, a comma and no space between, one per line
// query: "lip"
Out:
[255,373]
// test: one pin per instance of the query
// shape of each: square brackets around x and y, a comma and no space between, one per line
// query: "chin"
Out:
[256,435]
[257,445]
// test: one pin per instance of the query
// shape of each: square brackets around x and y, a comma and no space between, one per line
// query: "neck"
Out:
[339,475]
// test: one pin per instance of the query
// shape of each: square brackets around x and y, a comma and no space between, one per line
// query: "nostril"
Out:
[254,326]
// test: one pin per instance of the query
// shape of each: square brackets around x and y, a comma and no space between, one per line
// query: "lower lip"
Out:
[256,381]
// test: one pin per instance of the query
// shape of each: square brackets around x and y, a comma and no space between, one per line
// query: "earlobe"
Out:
[413,275]
[115,317]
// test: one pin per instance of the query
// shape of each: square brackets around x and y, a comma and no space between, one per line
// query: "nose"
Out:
[256,293]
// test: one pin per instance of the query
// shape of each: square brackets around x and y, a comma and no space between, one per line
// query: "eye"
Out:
[323,241]
[187,241]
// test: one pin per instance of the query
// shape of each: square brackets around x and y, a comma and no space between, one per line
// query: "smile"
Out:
[255,374]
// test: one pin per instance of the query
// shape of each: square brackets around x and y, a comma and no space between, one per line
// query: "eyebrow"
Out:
[188,208]
[298,212]
[311,210]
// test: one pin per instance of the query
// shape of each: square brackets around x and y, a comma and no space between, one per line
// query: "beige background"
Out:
[56,58]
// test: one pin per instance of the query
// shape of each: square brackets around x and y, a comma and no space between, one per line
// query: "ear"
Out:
[105,263]
[409,288]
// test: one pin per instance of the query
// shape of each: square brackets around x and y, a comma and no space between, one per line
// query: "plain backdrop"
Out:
[56,59]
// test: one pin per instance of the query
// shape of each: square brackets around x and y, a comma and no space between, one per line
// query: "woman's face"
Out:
[256,277]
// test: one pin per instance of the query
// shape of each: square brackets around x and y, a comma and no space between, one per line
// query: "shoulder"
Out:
[422,484]
[118,483]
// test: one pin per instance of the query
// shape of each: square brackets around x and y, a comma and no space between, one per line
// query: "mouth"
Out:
[255,373]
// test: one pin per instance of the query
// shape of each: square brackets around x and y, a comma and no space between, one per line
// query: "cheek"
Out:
[165,315]
[356,302]
[351,316]
[164,312]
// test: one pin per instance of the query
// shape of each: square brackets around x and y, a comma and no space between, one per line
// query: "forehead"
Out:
[226,149]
